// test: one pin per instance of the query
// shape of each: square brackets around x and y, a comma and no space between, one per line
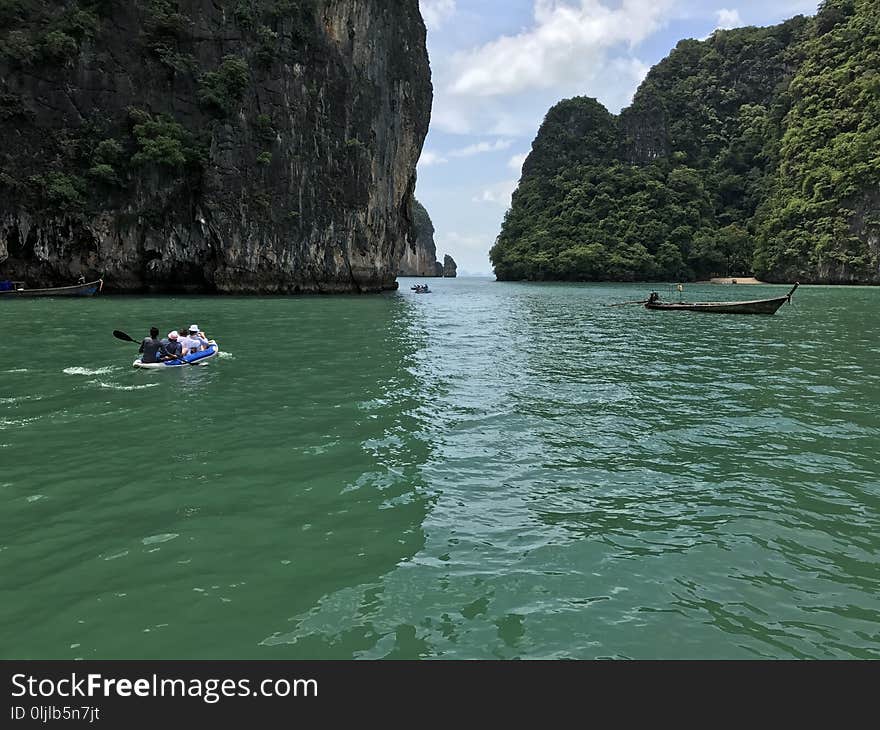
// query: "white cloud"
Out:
[729,18]
[436,12]
[431,158]
[498,194]
[482,147]
[568,42]
[571,47]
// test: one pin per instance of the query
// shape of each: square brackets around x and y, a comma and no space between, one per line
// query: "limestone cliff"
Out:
[450,268]
[420,256]
[230,146]
[751,152]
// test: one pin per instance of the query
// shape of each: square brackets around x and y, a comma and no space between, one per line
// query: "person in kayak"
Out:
[194,340]
[173,347]
[151,348]
[201,336]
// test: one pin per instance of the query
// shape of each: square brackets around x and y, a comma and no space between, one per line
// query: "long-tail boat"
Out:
[86,289]
[756,306]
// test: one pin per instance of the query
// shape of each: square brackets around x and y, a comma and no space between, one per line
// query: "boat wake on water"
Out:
[19,399]
[86,371]
[6,423]
[116,386]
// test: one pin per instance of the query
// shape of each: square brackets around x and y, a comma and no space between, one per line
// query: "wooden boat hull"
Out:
[763,306]
[78,290]
[756,306]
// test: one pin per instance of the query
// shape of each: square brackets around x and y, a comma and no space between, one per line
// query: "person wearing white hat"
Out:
[194,341]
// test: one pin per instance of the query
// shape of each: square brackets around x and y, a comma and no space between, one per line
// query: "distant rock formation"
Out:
[420,255]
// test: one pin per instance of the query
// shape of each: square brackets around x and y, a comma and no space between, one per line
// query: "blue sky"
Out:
[499,65]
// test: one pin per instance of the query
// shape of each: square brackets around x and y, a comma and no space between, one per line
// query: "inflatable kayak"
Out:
[193,359]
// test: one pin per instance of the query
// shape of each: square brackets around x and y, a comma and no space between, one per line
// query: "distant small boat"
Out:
[756,306]
[17,289]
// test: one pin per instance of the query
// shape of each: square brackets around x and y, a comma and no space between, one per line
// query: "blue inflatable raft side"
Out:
[193,359]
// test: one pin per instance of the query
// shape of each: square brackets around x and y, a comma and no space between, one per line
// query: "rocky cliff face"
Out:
[450,268]
[230,146]
[420,256]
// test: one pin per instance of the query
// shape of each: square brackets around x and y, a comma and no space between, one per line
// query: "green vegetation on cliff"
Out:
[823,212]
[78,166]
[753,151]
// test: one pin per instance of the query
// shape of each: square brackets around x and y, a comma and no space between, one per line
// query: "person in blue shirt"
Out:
[173,347]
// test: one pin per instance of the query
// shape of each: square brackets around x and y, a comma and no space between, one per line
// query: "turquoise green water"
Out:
[491,471]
